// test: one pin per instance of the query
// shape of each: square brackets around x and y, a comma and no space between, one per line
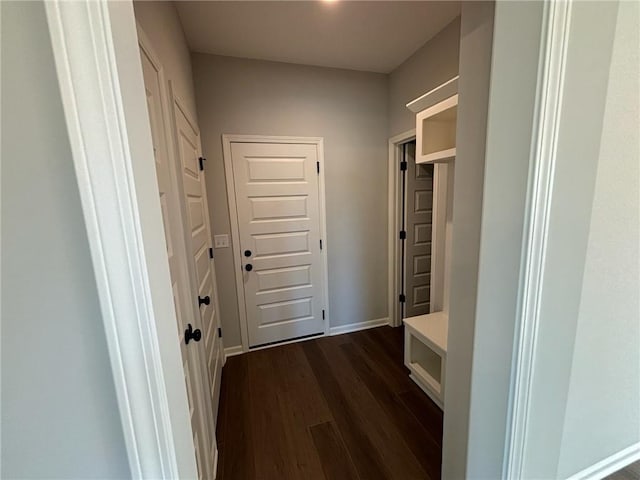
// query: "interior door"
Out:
[192,354]
[419,203]
[278,207]
[199,245]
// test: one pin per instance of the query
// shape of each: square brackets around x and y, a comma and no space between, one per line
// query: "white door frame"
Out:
[99,70]
[394,223]
[227,140]
[543,158]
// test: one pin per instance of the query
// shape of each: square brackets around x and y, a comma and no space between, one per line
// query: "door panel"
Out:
[418,243]
[278,208]
[199,241]
[195,376]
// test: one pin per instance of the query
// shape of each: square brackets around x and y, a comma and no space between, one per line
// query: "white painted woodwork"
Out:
[436,132]
[395,221]
[98,64]
[188,150]
[426,334]
[193,355]
[425,352]
[419,204]
[432,97]
[278,209]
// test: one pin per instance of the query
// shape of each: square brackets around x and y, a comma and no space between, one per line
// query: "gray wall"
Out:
[432,65]
[60,418]
[473,88]
[607,340]
[348,109]
[517,27]
[160,22]
[586,383]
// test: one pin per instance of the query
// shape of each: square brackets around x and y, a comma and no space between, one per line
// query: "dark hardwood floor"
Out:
[340,407]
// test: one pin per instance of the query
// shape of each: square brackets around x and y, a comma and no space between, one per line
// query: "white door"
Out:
[278,207]
[194,368]
[194,193]
[419,201]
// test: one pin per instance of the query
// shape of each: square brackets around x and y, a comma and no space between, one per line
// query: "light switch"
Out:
[221,241]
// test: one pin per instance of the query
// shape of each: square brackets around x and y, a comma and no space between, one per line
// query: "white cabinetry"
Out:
[426,335]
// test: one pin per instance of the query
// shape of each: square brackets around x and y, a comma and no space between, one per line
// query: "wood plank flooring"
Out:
[334,408]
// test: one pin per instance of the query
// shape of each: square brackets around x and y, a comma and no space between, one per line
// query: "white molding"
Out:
[434,96]
[354,327]
[122,218]
[555,32]
[393,256]
[227,140]
[233,351]
[609,465]
[437,300]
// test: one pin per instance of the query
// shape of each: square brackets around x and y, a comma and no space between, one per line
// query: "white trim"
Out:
[439,245]
[557,18]
[233,351]
[354,327]
[124,227]
[227,140]
[436,95]
[609,465]
[393,192]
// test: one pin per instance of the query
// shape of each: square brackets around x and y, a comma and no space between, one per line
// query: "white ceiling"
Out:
[374,36]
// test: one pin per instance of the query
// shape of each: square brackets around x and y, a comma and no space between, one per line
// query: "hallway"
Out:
[339,407]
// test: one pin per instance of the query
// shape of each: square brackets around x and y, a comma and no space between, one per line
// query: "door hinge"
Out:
[201,161]
[318,167]
[323,314]
[320,244]
[210,252]
[403,166]
[219,332]
[403,234]
[402,298]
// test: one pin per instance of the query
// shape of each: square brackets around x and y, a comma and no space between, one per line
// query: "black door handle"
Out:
[206,300]
[248,267]
[191,334]
[247,253]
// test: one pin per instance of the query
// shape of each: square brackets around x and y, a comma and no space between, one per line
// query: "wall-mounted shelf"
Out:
[425,340]
[436,132]
[425,352]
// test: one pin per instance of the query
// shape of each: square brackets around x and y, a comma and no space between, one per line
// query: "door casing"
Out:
[227,140]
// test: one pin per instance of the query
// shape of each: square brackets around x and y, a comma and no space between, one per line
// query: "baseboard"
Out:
[609,465]
[231,351]
[354,327]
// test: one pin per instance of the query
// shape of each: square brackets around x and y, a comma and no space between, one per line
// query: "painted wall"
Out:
[161,24]
[432,65]
[602,421]
[348,109]
[469,184]
[586,383]
[59,413]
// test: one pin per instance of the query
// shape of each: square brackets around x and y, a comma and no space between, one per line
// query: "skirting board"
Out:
[609,465]
[339,330]
[231,351]
[354,327]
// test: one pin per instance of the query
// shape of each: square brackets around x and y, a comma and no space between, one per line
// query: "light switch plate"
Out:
[221,241]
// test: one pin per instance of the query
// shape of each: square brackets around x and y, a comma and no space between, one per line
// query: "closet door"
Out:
[419,203]
[193,353]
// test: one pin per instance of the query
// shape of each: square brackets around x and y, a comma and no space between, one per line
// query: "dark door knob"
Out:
[248,267]
[247,253]
[206,300]
[191,334]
